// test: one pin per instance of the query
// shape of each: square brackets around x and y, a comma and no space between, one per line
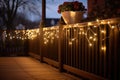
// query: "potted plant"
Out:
[72,12]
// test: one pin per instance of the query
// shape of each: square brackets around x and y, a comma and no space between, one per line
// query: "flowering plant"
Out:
[71,6]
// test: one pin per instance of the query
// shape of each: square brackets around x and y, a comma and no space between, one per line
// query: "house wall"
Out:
[93,3]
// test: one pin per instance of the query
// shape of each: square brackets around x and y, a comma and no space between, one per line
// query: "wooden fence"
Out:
[90,50]
[13,43]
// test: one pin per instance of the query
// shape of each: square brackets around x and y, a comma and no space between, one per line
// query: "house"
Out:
[51,22]
[105,6]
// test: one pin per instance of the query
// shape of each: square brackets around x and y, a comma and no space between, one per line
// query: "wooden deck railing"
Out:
[13,43]
[90,49]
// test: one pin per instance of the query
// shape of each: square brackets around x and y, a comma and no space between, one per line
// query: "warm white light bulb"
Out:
[102,31]
[90,44]
[83,33]
[108,22]
[10,37]
[90,37]
[103,48]
[74,30]
[95,34]
[45,42]
[70,43]
[89,23]
[70,26]
[95,26]
[73,39]
[97,20]
[80,33]
[112,27]
[52,38]
[68,30]
[81,29]
[94,39]
[88,28]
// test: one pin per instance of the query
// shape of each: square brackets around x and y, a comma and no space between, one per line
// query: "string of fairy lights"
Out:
[89,33]
[88,30]
[20,34]
[50,34]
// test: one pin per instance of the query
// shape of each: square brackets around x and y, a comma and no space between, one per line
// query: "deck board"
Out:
[27,68]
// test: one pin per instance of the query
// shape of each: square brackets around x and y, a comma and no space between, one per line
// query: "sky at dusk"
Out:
[52,6]
[51,9]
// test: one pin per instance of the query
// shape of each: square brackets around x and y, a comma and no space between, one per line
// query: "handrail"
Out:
[93,23]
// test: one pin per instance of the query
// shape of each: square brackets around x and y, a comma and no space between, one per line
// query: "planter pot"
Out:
[71,17]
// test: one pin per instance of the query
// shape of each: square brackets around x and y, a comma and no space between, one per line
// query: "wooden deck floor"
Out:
[26,68]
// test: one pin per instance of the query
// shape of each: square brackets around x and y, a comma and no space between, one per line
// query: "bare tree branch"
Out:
[9,8]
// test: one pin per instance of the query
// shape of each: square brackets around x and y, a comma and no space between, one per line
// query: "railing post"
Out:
[41,44]
[41,27]
[60,56]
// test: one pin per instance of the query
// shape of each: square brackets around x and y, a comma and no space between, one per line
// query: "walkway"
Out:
[26,68]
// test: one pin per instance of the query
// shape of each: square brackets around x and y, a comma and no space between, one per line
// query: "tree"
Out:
[9,8]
